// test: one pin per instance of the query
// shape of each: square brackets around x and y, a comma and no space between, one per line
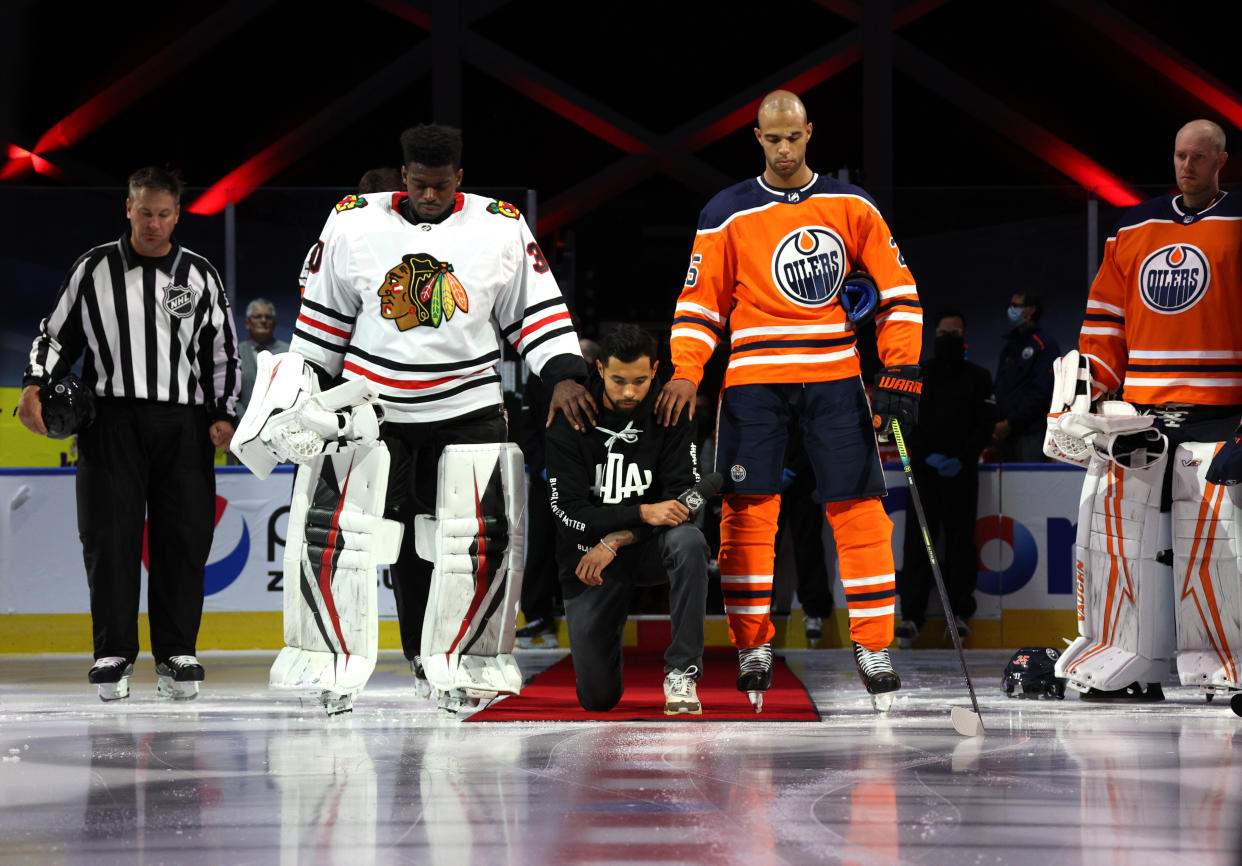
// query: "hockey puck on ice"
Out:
[1235,704]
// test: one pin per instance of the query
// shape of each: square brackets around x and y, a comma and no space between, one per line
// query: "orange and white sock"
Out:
[747,532]
[864,535]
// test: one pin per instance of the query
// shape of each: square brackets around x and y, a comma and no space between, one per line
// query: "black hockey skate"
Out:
[1135,693]
[755,673]
[875,669]
[422,687]
[179,677]
[111,674]
[538,634]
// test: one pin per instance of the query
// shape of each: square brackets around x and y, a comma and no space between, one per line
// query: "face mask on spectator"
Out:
[1015,313]
[949,347]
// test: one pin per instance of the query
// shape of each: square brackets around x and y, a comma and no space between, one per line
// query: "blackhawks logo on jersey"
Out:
[504,209]
[350,202]
[422,290]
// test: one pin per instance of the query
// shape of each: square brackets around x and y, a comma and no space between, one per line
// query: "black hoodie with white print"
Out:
[599,478]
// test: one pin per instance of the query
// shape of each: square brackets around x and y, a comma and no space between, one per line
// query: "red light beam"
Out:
[155,71]
[1160,57]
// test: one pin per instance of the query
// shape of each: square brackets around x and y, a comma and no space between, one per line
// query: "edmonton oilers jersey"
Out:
[1164,317]
[767,268]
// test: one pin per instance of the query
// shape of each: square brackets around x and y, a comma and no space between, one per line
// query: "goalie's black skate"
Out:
[755,673]
[179,677]
[875,669]
[111,674]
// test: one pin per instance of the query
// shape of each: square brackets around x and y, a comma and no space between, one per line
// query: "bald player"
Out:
[772,267]
[1162,333]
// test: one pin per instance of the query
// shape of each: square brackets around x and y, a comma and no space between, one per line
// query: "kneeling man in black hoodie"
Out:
[614,492]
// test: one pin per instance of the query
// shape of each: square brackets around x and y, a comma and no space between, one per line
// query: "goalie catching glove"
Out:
[290,420]
[897,392]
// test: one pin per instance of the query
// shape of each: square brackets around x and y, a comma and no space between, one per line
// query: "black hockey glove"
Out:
[897,391]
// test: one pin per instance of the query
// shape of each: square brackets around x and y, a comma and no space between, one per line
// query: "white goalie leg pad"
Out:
[336,539]
[1124,596]
[476,545]
[1207,572]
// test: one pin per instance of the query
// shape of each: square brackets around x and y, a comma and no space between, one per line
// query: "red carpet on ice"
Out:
[551,695]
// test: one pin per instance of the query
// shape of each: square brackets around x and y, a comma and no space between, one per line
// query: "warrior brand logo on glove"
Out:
[421,290]
[504,209]
[180,301]
[1174,278]
[809,265]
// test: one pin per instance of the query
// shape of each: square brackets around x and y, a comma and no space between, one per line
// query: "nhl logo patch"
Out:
[737,472]
[693,501]
[180,301]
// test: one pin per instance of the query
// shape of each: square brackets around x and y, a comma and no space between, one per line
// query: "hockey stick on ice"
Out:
[968,724]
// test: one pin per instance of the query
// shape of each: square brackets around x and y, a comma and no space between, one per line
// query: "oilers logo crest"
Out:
[809,265]
[1174,278]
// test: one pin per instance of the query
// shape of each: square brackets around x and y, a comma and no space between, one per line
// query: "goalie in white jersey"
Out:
[412,292]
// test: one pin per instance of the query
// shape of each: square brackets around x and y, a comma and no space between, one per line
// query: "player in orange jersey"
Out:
[770,270]
[1161,326]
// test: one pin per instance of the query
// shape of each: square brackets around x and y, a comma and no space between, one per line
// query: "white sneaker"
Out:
[681,693]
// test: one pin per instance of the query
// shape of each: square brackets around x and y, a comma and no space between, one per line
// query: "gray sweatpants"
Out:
[596,617]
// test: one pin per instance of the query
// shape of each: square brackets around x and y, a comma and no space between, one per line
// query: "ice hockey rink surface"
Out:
[247,776]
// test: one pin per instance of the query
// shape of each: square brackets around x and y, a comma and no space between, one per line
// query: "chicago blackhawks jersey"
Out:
[1164,316]
[420,308]
[768,265]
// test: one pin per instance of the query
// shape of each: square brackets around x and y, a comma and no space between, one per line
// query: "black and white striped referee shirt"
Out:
[146,328]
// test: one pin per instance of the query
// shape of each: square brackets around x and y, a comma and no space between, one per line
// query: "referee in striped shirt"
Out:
[151,322]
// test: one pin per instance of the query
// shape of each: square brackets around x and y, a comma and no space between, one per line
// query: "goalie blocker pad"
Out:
[1207,526]
[1124,596]
[335,541]
[475,543]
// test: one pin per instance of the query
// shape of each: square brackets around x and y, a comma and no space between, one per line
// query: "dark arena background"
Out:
[1002,140]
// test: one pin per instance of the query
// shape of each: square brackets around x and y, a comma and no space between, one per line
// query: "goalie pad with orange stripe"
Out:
[475,543]
[1124,595]
[1207,572]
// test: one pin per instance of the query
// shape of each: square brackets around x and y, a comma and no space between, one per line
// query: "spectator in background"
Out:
[1024,383]
[260,323]
[955,420]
